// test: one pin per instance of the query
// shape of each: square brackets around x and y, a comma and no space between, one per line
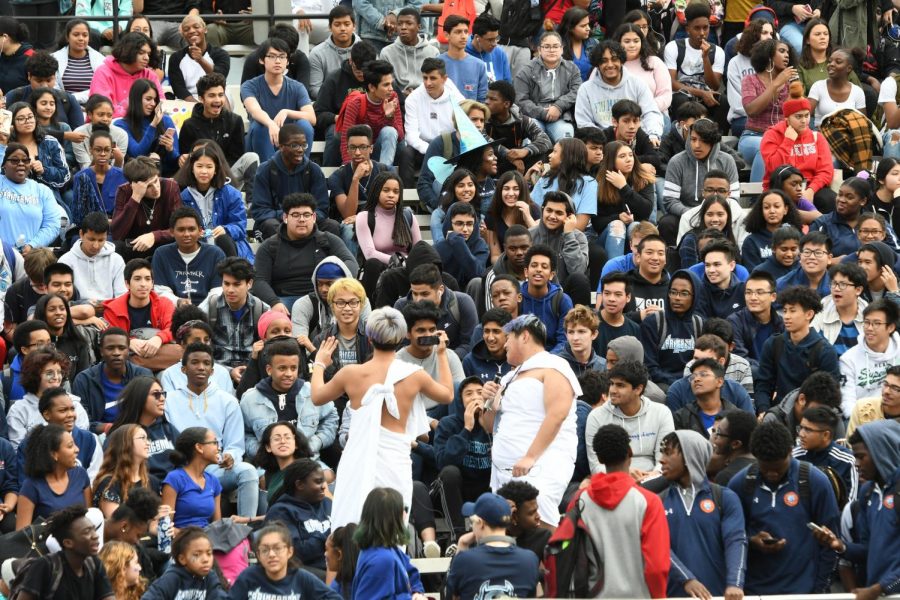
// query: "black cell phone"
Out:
[429,340]
[770,541]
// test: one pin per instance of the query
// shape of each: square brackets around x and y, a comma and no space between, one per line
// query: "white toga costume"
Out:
[520,417]
[375,457]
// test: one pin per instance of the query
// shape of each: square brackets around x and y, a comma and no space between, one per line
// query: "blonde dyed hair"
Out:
[116,556]
[347,285]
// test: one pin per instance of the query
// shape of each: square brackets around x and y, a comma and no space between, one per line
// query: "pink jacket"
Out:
[111,80]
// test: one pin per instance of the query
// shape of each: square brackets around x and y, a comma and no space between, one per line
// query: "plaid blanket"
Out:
[853,138]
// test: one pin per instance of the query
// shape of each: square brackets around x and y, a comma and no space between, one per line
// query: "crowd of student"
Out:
[314,389]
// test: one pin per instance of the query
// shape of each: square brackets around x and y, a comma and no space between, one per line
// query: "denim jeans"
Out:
[437,225]
[891,149]
[243,478]
[557,130]
[258,139]
[792,33]
[386,145]
[613,238]
[748,146]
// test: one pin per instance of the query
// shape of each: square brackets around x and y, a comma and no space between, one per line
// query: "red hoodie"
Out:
[618,506]
[809,152]
[161,309]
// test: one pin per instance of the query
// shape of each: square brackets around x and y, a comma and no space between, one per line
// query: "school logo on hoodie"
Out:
[677,345]
[260,595]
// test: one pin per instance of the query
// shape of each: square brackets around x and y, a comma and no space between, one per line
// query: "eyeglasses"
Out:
[360,148]
[354,303]
[720,191]
[208,442]
[680,294]
[463,224]
[841,285]
[281,438]
[698,374]
[551,47]
[806,429]
[304,216]
[276,549]
[871,232]
[277,57]
[718,433]
[891,387]
[758,293]
[295,146]
[157,394]
[51,375]
[19,161]
[816,253]
[870,324]
[25,119]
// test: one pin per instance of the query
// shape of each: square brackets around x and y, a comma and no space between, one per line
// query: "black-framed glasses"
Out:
[718,433]
[157,394]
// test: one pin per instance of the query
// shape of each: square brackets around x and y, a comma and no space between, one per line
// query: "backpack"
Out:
[568,559]
[693,79]
[305,179]
[520,21]
[803,487]
[661,328]
[56,569]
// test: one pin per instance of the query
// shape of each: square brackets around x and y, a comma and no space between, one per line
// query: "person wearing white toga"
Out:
[385,415]
[534,408]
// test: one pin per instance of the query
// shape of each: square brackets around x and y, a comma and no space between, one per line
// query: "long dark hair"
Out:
[132,400]
[636,179]
[33,100]
[569,21]
[43,441]
[698,221]
[134,114]
[38,134]
[448,190]
[806,58]
[496,209]
[209,148]
[381,521]
[266,460]
[157,56]
[343,538]
[572,167]
[751,36]
[756,221]
[645,53]
[653,39]
[401,234]
[40,313]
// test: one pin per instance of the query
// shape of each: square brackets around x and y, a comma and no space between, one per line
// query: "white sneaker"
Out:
[431,549]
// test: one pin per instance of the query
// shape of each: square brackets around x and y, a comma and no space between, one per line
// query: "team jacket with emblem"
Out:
[803,566]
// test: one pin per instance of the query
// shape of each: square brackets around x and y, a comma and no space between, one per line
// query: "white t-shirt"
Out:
[738,68]
[888,92]
[819,93]
[692,65]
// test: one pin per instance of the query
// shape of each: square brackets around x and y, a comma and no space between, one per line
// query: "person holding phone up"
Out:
[150,131]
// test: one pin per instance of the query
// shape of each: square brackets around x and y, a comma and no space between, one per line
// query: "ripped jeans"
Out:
[613,237]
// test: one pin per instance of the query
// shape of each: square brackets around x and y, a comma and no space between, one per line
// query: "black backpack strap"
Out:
[213,313]
[751,479]
[803,487]
[556,303]
[812,361]
[681,46]
[716,491]
[698,325]
[777,347]
[660,328]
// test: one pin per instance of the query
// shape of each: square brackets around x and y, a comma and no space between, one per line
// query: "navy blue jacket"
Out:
[716,302]
[194,280]
[309,524]
[803,567]
[680,395]
[9,468]
[798,277]
[162,436]
[707,544]
[253,583]
[775,268]
[455,445]
[595,362]
[791,370]
[267,198]
[462,258]
[582,466]
[176,581]
[89,388]
[843,238]
[757,247]
[838,458]
[745,329]
[479,362]
[665,359]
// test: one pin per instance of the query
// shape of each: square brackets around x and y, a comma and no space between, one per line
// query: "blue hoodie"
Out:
[543,309]
[798,277]
[665,359]
[740,272]
[803,567]
[792,368]
[176,582]
[747,340]
[680,395]
[495,61]
[253,583]
[775,268]
[457,446]
[756,248]
[462,258]
[309,524]
[877,519]
[620,263]
[843,238]
[385,573]
[708,542]
[718,302]
[479,363]
[267,201]
[469,74]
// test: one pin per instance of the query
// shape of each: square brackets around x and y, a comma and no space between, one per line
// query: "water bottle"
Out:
[164,534]
[20,242]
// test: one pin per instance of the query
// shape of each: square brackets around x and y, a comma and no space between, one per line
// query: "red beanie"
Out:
[795,105]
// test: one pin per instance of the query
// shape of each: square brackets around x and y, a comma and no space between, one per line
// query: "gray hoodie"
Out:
[538,88]
[99,277]
[571,249]
[324,59]
[303,310]
[629,347]
[647,429]
[685,175]
[593,105]
[696,451]
[407,60]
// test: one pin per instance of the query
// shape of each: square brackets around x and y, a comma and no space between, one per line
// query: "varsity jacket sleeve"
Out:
[764,382]
[262,207]
[672,190]
[523,84]
[414,104]
[655,546]
[734,538]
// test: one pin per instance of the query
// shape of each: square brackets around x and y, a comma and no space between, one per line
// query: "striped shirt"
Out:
[78,75]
